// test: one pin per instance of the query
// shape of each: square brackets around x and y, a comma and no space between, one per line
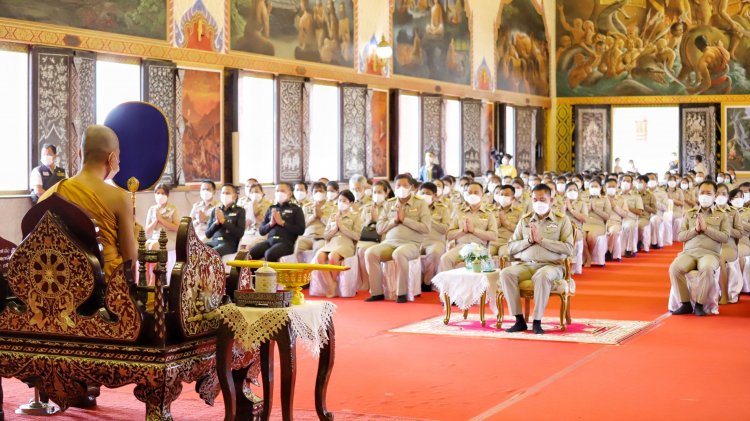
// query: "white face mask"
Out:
[684,186]
[319,196]
[586,184]
[506,161]
[737,202]
[625,185]
[595,191]
[533,184]
[281,197]
[579,185]
[300,195]
[560,187]
[248,193]
[403,193]
[671,184]
[207,195]
[161,199]
[427,198]
[447,190]
[705,200]
[255,197]
[331,196]
[491,187]
[722,200]
[503,201]
[719,180]
[571,194]
[652,184]
[639,186]
[472,199]
[368,192]
[227,200]
[378,197]
[540,208]
[518,193]
[357,195]
[698,180]
[343,207]
[746,197]
[47,160]
[611,191]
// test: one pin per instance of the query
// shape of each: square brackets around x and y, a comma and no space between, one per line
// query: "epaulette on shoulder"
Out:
[558,214]
[392,199]
[527,215]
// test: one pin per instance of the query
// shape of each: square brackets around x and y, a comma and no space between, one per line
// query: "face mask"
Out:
[378,197]
[595,191]
[722,200]
[698,180]
[331,196]
[533,184]
[578,184]
[207,195]
[518,193]
[611,191]
[506,161]
[357,195]
[541,208]
[402,193]
[113,171]
[427,198]
[368,192]
[47,160]
[473,199]
[671,184]
[319,196]
[343,207]
[719,180]
[586,184]
[160,199]
[746,197]
[684,186]
[446,190]
[491,187]
[248,192]
[255,197]
[560,187]
[571,194]
[227,200]
[639,186]
[300,195]
[652,184]
[705,200]
[281,197]
[625,185]
[737,202]
[503,201]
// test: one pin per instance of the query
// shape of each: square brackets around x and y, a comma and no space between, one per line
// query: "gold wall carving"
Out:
[564,137]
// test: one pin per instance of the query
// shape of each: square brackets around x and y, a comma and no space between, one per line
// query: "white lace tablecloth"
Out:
[254,325]
[465,287]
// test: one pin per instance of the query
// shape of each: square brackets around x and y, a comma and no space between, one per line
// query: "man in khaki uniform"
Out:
[471,223]
[541,240]
[316,214]
[614,224]
[358,186]
[648,215]
[633,203]
[507,212]
[703,231]
[403,225]
[433,245]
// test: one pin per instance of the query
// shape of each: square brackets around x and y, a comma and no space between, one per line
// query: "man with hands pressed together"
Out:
[541,240]
[227,223]
[283,223]
[403,225]
[703,231]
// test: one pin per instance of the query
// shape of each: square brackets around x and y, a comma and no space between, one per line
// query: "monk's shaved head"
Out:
[98,143]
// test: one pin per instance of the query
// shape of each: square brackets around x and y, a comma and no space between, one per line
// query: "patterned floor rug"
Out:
[591,331]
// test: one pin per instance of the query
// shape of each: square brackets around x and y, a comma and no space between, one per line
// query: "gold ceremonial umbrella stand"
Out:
[292,276]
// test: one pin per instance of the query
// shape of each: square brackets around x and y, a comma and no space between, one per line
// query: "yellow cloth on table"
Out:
[253,326]
[75,192]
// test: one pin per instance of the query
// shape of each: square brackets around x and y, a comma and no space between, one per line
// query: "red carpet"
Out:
[683,368]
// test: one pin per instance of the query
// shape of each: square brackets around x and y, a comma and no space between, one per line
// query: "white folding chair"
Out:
[390,280]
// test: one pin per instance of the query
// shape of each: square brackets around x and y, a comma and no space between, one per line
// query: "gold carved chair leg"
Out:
[568,319]
[527,308]
[563,307]
[500,309]
[447,301]
[481,308]
[466,314]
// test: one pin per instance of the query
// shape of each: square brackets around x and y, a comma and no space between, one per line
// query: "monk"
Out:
[109,206]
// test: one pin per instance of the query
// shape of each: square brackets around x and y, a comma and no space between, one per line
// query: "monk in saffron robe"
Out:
[108,205]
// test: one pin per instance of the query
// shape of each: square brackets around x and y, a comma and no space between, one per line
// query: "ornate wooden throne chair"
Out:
[54,335]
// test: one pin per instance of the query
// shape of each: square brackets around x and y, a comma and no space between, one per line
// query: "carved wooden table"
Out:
[252,328]
[466,288]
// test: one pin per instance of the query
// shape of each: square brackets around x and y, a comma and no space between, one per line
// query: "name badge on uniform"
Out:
[412,210]
[45,173]
[232,214]
[287,211]
[551,225]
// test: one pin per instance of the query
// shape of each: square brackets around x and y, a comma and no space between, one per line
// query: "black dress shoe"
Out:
[685,308]
[426,288]
[655,246]
[607,257]
[537,327]
[401,299]
[518,327]
[379,297]
[699,311]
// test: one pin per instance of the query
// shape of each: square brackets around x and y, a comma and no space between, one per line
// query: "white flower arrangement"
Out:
[473,251]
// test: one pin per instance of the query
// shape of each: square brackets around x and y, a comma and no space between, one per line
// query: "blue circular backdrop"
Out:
[143,132]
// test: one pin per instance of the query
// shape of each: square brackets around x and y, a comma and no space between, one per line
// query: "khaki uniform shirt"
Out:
[649,204]
[483,221]
[676,195]
[579,206]
[202,208]
[632,200]
[315,225]
[718,228]
[416,224]
[557,244]
[254,214]
[365,213]
[512,216]
[660,197]
[441,221]
[599,205]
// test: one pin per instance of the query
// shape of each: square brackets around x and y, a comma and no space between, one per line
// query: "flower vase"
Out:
[488,265]
[476,266]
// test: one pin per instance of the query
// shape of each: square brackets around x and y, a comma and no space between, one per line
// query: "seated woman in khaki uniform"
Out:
[369,214]
[341,233]
[599,211]
[729,250]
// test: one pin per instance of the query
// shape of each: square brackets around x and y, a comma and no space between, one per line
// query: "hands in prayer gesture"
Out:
[276,218]
[220,216]
[700,224]
[400,215]
[535,236]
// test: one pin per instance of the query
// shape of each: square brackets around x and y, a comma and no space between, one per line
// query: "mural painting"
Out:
[311,30]
[201,125]
[521,49]
[140,18]
[652,47]
[198,29]
[738,138]
[379,121]
[432,40]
